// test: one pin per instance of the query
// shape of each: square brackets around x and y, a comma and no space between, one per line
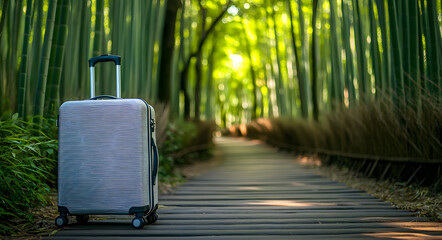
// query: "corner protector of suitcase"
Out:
[143,209]
[62,209]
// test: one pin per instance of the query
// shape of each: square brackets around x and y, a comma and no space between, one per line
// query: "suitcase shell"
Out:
[104,152]
[108,158]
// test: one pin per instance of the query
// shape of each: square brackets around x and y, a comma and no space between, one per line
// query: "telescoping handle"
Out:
[105,58]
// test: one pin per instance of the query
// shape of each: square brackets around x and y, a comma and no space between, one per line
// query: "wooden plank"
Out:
[151,231]
[272,209]
[281,221]
[260,193]
[230,227]
[230,237]
[287,216]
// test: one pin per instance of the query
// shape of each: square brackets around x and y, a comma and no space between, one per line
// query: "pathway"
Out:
[260,193]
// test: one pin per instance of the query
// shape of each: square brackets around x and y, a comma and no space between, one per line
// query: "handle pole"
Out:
[92,70]
[118,74]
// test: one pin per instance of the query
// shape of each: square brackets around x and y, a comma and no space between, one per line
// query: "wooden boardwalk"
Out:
[260,193]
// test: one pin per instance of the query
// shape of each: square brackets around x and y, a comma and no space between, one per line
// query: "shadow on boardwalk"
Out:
[260,193]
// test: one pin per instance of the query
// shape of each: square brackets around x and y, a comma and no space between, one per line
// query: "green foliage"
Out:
[27,169]
[182,140]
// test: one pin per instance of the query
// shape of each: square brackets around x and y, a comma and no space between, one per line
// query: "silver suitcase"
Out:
[108,159]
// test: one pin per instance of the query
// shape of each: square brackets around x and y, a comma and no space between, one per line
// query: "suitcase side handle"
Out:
[105,58]
[155,161]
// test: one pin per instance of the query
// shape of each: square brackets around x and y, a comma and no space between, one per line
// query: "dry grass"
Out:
[379,129]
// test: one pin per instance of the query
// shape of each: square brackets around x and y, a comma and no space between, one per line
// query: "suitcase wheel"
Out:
[82,219]
[138,222]
[152,218]
[61,221]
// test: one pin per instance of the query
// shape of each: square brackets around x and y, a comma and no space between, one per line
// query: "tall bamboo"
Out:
[168,33]
[198,63]
[251,68]
[150,47]
[37,41]
[404,28]
[414,59]
[396,52]
[97,46]
[12,51]
[272,92]
[44,63]
[349,66]
[3,20]
[385,57]
[54,99]
[210,85]
[279,85]
[360,52]
[5,6]
[304,60]
[24,62]
[434,52]
[52,63]
[337,96]
[71,74]
[315,69]
[374,50]
[84,53]
[162,8]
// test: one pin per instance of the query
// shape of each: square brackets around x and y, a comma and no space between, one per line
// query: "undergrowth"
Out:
[184,142]
[27,170]
[377,130]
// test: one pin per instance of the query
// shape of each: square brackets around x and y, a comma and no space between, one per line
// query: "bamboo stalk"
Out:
[385,57]
[54,99]
[374,49]
[35,60]
[24,61]
[337,93]
[396,48]
[52,62]
[360,53]
[279,85]
[315,89]
[251,69]
[349,66]
[46,52]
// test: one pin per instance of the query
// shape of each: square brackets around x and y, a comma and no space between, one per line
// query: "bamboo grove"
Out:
[233,61]
[45,46]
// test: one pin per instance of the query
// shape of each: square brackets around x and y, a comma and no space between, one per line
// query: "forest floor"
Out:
[420,200]
[423,201]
